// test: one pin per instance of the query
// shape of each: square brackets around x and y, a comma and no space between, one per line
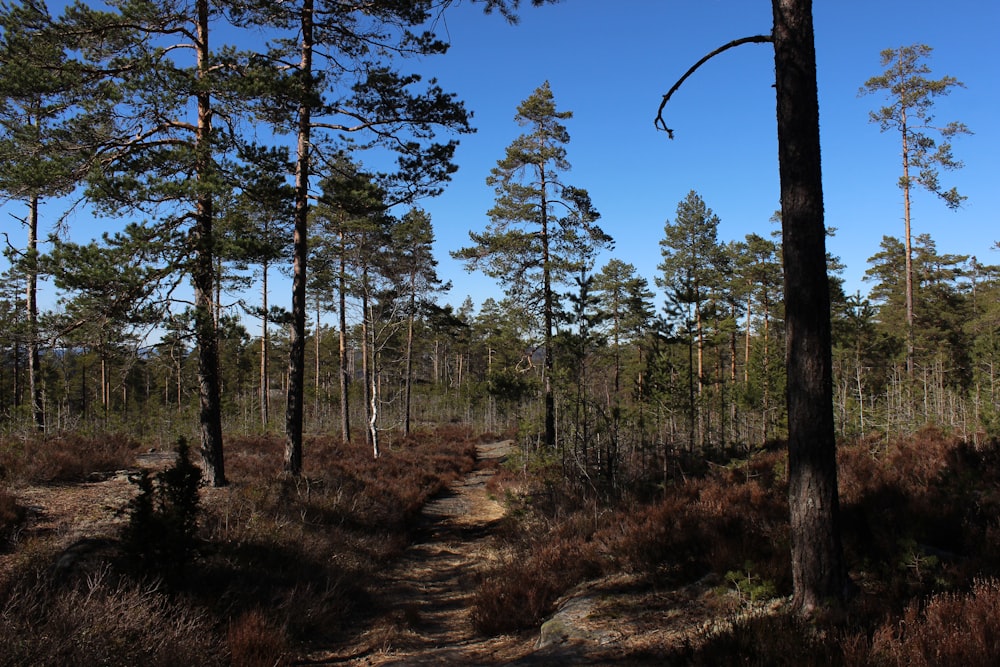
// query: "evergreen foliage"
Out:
[161,534]
[542,230]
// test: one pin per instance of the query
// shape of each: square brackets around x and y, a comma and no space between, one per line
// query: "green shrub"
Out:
[163,517]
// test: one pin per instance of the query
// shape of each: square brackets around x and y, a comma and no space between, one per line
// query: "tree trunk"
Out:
[31,303]
[300,251]
[409,356]
[372,380]
[316,367]
[908,245]
[766,404]
[549,307]
[345,372]
[203,276]
[265,382]
[367,350]
[819,576]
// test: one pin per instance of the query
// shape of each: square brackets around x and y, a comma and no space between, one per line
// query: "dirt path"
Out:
[426,598]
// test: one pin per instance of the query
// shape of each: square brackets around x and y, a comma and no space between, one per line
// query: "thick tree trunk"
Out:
[819,576]
[203,277]
[300,251]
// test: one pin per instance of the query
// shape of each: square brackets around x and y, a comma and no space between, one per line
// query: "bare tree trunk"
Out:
[345,371]
[367,350]
[372,385]
[300,252]
[105,387]
[316,380]
[907,240]
[548,305]
[746,344]
[818,572]
[31,304]
[766,424]
[409,358]
[265,380]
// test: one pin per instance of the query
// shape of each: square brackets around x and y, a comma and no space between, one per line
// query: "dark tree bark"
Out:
[818,570]
[203,277]
[31,304]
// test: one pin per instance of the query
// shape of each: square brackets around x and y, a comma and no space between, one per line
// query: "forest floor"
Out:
[423,603]
[422,606]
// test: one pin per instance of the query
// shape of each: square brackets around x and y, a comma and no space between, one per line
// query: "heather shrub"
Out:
[759,638]
[254,642]
[101,621]
[715,524]
[64,457]
[950,629]
[919,514]
[300,551]
[558,538]
[520,591]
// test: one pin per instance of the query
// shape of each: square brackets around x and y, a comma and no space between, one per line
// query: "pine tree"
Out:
[254,231]
[170,160]
[692,277]
[52,119]
[626,302]
[343,94]
[911,98]
[352,205]
[412,240]
[818,572]
[541,229]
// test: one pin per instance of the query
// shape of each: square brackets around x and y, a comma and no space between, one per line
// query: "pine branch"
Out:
[658,121]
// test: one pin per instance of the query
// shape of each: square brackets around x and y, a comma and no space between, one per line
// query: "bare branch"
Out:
[658,121]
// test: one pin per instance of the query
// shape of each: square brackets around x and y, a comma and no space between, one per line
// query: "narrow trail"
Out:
[426,598]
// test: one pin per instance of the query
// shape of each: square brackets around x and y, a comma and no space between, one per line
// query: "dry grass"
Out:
[102,620]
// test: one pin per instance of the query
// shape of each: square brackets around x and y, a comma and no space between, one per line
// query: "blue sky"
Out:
[610,63]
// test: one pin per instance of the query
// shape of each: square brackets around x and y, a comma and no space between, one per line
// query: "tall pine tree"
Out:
[541,229]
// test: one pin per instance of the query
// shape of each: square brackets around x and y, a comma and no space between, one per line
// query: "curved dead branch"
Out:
[658,121]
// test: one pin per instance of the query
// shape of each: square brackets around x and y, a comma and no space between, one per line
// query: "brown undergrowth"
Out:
[282,566]
[920,528]
[279,563]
